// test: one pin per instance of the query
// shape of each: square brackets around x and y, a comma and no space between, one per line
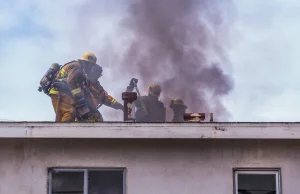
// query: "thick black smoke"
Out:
[181,44]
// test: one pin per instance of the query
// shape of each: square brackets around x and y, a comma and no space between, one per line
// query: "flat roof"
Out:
[113,130]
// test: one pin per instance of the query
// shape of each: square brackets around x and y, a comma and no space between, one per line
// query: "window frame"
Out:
[85,176]
[275,171]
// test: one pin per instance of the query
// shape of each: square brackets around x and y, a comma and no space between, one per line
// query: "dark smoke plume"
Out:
[181,44]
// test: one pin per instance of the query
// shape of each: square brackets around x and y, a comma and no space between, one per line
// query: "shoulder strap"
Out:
[68,63]
[61,66]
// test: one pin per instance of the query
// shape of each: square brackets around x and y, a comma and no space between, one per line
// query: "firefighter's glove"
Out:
[120,107]
[82,107]
[133,82]
[131,85]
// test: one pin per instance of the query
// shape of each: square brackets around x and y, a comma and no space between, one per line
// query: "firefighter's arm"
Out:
[141,104]
[111,102]
[162,113]
[141,114]
[138,102]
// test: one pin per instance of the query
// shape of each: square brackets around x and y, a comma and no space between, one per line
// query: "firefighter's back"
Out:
[155,110]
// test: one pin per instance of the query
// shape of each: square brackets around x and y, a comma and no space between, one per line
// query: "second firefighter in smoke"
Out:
[149,107]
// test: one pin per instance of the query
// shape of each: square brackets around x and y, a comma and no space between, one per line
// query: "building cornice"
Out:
[121,130]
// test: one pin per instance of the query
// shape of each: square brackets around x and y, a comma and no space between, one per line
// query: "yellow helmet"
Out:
[177,102]
[90,57]
[154,89]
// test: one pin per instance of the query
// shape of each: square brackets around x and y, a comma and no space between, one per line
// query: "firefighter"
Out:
[179,109]
[67,92]
[96,94]
[149,108]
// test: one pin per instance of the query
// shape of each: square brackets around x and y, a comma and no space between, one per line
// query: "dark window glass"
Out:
[256,183]
[67,182]
[86,181]
[105,182]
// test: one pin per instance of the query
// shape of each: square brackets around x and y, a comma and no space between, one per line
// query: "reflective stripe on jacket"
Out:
[73,75]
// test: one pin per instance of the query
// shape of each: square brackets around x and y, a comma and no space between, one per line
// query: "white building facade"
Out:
[138,158]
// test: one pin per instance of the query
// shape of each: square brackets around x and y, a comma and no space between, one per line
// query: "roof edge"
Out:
[113,130]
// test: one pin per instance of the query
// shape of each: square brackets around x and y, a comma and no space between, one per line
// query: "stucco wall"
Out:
[153,166]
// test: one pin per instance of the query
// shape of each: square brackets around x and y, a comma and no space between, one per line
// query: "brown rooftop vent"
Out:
[129,106]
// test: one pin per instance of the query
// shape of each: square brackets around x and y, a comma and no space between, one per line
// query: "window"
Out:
[257,181]
[86,181]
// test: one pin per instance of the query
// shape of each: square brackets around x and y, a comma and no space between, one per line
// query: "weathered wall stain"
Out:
[152,164]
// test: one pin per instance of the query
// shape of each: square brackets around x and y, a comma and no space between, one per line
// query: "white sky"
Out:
[33,34]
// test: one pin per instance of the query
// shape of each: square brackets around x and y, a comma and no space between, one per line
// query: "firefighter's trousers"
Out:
[63,107]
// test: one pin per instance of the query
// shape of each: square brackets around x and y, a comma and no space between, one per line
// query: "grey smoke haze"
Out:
[263,53]
[176,43]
